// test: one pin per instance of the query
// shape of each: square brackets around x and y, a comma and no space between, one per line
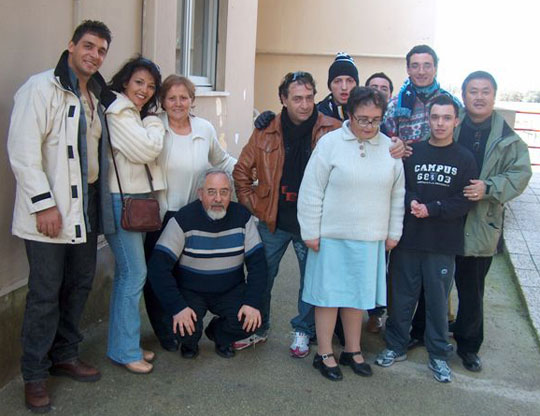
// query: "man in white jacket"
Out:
[56,147]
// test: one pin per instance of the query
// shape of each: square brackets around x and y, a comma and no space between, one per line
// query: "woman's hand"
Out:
[390,244]
[313,244]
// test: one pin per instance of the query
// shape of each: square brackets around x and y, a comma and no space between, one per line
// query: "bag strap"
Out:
[148,174]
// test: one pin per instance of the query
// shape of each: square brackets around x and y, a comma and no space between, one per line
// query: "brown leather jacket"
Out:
[264,152]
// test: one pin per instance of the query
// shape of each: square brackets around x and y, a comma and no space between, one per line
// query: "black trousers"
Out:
[419,319]
[159,319]
[470,281]
[225,328]
[413,270]
[59,282]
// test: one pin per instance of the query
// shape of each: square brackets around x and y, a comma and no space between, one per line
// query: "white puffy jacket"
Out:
[135,143]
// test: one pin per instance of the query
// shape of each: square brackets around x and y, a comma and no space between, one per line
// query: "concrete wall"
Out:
[305,35]
[34,33]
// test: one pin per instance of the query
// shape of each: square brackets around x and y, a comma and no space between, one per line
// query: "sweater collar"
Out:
[349,135]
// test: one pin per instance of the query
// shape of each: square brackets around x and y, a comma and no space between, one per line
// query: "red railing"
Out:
[529,130]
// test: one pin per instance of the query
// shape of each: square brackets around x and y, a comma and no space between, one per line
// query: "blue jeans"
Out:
[129,277]
[275,245]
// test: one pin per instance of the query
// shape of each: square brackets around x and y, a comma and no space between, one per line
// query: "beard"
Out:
[216,215]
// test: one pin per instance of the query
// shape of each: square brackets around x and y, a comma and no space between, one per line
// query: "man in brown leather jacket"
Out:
[280,153]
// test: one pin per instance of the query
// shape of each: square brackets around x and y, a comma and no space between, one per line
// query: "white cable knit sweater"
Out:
[346,196]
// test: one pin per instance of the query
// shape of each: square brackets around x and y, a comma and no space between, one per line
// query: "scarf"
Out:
[297,145]
[409,92]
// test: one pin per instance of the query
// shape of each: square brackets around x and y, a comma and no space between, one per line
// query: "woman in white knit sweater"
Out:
[190,147]
[350,209]
[137,139]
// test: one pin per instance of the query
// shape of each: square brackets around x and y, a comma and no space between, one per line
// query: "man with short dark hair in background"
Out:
[505,169]
[57,147]
[381,82]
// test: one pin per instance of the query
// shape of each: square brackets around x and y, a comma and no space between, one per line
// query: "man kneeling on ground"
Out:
[198,265]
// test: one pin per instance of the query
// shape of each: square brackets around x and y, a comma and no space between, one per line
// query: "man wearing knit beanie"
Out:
[342,78]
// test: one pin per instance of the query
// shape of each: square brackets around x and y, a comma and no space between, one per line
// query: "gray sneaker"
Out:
[441,371]
[388,357]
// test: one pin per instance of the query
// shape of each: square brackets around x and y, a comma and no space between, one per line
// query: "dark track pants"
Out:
[412,269]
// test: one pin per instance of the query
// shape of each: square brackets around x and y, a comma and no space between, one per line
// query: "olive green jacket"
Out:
[506,171]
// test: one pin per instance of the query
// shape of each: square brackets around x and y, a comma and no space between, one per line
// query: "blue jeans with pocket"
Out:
[129,277]
[275,245]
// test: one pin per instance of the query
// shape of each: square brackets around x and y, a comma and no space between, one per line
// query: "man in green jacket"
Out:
[505,169]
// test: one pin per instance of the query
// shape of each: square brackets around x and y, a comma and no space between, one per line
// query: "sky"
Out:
[501,37]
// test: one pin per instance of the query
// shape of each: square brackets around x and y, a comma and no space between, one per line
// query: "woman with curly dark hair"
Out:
[136,136]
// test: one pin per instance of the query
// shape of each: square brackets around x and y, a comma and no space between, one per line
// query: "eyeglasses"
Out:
[364,121]
[416,66]
[225,192]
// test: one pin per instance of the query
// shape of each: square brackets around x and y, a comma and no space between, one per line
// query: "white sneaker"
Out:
[248,342]
[300,345]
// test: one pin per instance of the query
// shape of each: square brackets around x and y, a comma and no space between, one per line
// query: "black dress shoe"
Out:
[362,369]
[471,361]
[188,351]
[331,373]
[225,351]
[415,342]
[169,345]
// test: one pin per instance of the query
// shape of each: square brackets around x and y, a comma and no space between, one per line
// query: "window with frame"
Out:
[196,41]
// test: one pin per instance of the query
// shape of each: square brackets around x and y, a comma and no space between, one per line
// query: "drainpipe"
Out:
[76,13]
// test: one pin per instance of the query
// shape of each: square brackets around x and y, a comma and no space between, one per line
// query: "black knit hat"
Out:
[342,65]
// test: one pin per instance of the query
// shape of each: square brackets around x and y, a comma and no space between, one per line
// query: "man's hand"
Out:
[419,210]
[396,148]
[389,244]
[313,244]
[49,222]
[252,318]
[264,119]
[475,191]
[185,321]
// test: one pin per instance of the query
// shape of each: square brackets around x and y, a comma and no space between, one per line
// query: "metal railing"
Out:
[534,162]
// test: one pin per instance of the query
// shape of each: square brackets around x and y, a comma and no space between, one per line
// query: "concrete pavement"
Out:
[522,237]
[265,381]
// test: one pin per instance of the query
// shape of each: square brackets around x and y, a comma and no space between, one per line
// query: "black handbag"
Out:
[138,214]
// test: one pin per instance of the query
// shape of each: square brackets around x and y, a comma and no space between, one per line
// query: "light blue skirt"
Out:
[347,274]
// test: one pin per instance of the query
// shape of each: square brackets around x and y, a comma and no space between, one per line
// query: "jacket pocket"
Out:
[260,199]
[267,146]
